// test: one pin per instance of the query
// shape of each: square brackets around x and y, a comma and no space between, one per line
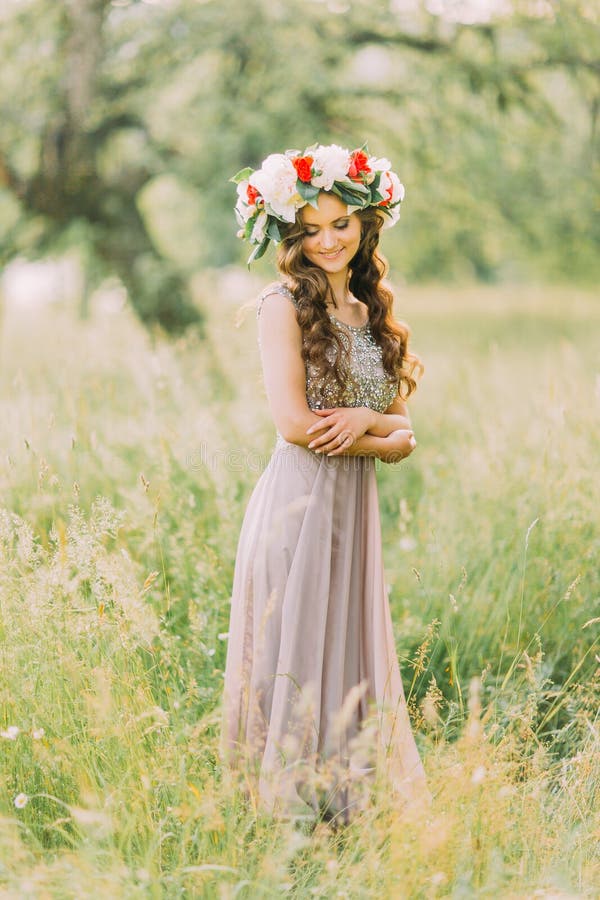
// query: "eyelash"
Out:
[337,227]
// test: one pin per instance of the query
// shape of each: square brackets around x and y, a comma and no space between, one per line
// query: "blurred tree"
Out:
[64,192]
[496,121]
[123,120]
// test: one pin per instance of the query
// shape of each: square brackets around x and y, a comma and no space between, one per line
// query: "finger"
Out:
[336,451]
[316,426]
[324,448]
[346,441]
[332,443]
[323,439]
[332,440]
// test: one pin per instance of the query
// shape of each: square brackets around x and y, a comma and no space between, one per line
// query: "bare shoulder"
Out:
[278,328]
[275,292]
[278,315]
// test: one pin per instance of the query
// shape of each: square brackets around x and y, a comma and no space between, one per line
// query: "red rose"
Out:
[303,167]
[359,163]
[251,194]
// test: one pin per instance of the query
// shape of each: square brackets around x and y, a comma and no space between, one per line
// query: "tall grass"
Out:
[127,463]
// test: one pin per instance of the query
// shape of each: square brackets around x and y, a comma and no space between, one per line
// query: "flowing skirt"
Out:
[313,698]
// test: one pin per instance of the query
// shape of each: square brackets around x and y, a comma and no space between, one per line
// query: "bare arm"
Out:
[393,448]
[280,340]
[394,418]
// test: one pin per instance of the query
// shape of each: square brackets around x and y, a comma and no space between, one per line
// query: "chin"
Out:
[332,269]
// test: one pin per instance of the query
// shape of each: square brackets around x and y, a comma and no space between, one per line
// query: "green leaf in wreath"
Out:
[350,196]
[249,226]
[242,175]
[308,192]
[259,250]
[273,229]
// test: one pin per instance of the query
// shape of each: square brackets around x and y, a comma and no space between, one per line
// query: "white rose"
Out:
[260,228]
[333,163]
[385,185]
[276,181]
[390,188]
[397,188]
[379,165]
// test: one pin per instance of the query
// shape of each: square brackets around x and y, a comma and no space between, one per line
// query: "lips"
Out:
[332,255]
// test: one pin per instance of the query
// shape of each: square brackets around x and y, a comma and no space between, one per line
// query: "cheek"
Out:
[353,233]
[308,244]
[356,235]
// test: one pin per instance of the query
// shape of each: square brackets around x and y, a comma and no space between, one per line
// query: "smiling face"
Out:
[331,236]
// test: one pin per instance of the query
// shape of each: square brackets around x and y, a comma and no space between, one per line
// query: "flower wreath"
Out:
[288,181]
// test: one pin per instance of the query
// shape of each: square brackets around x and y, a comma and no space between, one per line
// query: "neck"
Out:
[338,283]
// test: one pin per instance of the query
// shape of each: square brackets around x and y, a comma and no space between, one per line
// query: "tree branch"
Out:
[10,179]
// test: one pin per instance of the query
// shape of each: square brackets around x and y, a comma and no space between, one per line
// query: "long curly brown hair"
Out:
[311,289]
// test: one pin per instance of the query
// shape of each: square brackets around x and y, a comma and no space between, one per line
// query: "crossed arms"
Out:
[348,431]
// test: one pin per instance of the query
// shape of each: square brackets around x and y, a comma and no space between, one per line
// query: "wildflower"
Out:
[407,543]
[422,655]
[478,775]
[21,800]
[96,819]
[11,733]
[507,790]
[37,734]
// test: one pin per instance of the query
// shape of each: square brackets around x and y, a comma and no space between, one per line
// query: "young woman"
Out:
[313,698]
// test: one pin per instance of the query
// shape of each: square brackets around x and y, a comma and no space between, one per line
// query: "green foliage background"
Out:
[492,126]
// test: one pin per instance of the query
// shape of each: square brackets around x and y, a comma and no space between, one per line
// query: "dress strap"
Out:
[277,288]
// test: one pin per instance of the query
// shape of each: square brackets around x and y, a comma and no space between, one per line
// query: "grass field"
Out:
[126,465]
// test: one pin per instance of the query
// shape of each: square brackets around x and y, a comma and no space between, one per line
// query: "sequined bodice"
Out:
[369,386]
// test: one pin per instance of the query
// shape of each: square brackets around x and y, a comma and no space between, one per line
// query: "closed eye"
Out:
[339,226]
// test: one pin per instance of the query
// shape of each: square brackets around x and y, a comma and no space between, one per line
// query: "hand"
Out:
[342,426]
[402,443]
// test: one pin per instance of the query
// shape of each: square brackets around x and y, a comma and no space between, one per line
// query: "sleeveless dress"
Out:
[313,699]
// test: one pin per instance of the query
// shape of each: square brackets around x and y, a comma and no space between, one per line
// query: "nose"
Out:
[328,239]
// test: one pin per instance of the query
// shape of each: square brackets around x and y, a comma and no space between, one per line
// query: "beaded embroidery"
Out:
[370,386]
